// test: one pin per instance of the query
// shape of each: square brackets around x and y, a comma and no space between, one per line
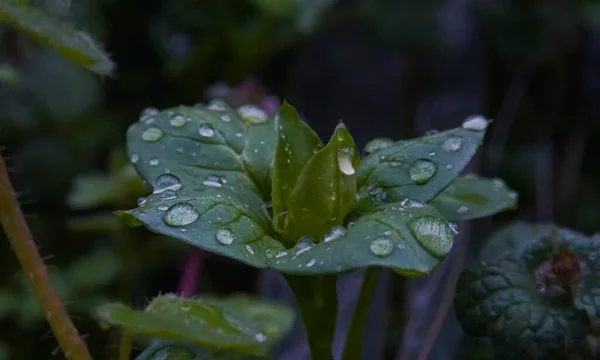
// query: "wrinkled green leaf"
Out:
[471,196]
[240,323]
[326,189]
[210,172]
[75,45]
[171,350]
[419,168]
[410,237]
[296,144]
[501,298]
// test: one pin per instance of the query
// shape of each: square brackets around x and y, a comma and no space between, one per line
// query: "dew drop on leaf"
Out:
[162,207]
[224,236]
[147,114]
[166,182]
[168,195]
[345,163]
[172,352]
[475,122]
[253,114]
[453,227]
[462,209]
[249,249]
[153,162]
[453,143]
[141,201]
[311,262]
[216,105]
[225,118]
[377,144]
[411,204]
[152,134]
[335,233]
[422,171]
[177,120]
[214,181]
[304,244]
[381,246]
[206,130]
[134,158]
[181,214]
[433,234]
[260,337]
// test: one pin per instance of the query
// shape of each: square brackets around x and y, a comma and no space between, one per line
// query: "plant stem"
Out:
[126,346]
[317,297]
[355,337]
[17,231]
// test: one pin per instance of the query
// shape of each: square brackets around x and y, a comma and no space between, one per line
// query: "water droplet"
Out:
[249,249]
[376,145]
[162,207]
[260,337]
[453,227]
[214,181]
[172,352]
[253,114]
[141,201]
[152,134]
[449,166]
[411,204]
[452,143]
[432,153]
[147,114]
[134,158]
[345,163]
[335,233]
[181,214]
[206,130]
[433,233]
[422,171]
[305,243]
[225,118]
[217,105]
[166,182]
[178,120]
[462,209]
[512,195]
[224,236]
[153,161]
[475,122]
[381,246]
[311,262]
[168,195]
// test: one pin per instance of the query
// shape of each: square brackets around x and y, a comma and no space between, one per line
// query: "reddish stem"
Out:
[188,283]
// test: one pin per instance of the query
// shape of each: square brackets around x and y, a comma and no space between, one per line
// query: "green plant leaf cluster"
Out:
[239,324]
[507,297]
[268,192]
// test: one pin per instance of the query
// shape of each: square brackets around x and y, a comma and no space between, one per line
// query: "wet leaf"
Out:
[209,167]
[296,144]
[326,189]
[471,197]
[518,296]
[239,324]
[75,45]
[172,350]
[419,168]
[410,237]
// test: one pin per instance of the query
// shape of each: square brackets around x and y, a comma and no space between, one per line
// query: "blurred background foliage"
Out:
[394,68]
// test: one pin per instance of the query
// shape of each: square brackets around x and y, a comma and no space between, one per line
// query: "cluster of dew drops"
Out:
[182,214]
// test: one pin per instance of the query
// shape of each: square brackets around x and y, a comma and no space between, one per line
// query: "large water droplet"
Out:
[422,171]
[168,195]
[377,144]
[305,243]
[214,181]
[134,158]
[253,114]
[152,134]
[166,182]
[206,130]
[335,233]
[475,122]
[181,214]
[381,246]
[217,105]
[433,234]
[224,236]
[345,163]
[147,114]
[178,120]
[453,143]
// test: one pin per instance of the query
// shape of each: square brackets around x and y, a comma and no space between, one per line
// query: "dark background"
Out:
[394,68]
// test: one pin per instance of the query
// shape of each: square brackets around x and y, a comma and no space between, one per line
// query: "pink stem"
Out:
[188,283]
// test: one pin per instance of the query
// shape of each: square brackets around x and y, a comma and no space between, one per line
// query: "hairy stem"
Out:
[317,298]
[354,339]
[17,231]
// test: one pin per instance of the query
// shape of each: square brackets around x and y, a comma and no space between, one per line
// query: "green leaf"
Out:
[75,45]
[509,299]
[410,237]
[239,323]
[210,172]
[419,168]
[326,189]
[172,350]
[8,74]
[471,196]
[296,144]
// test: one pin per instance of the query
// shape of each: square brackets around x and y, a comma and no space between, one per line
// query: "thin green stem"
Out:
[317,298]
[17,231]
[355,337]
[126,346]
